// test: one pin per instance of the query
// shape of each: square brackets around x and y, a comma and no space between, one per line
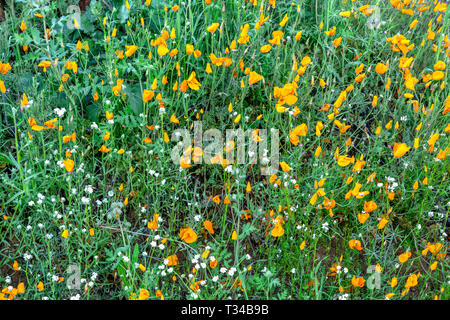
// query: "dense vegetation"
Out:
[90,100]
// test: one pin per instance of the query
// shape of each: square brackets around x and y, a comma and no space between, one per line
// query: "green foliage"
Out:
[100,214]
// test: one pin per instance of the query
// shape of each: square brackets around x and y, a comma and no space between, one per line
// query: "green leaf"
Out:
[134,95]
[93,112]
[135,254]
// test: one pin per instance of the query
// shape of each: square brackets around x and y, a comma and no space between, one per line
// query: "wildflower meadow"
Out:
[224,149]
